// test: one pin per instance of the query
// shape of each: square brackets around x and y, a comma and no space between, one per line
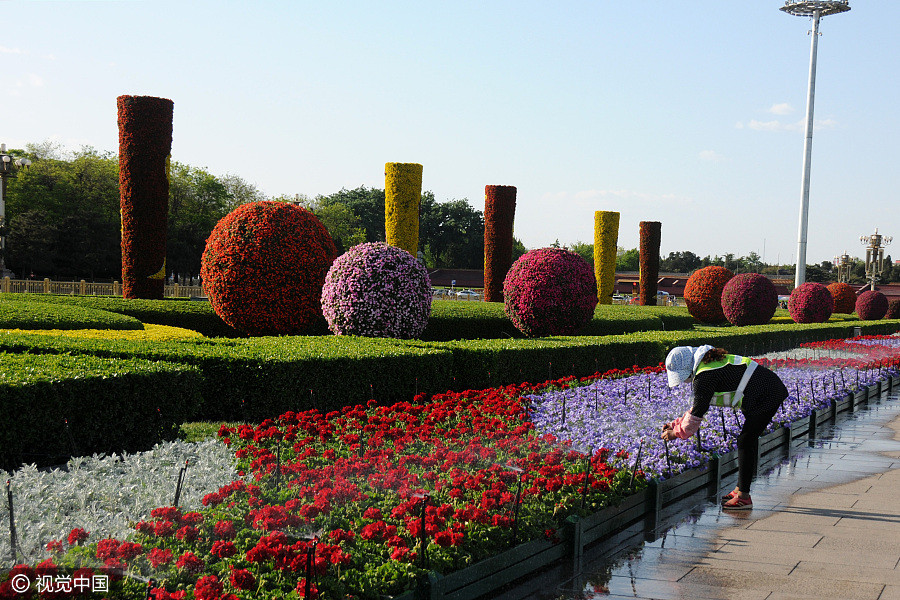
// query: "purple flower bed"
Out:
[625,413]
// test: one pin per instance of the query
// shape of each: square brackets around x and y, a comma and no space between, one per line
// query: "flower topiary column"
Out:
[145,141]
[606,236]
[402,193]
[499,211]
[651,232]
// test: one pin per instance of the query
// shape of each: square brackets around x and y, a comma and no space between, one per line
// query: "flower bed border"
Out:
[491,574]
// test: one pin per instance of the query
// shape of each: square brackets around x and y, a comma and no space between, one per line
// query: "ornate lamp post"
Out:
[8,167]
[843,264]
[874,255]
[815,9]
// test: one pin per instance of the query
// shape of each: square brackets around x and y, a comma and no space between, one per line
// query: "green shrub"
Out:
[176,312]
[21,312]
[54,406]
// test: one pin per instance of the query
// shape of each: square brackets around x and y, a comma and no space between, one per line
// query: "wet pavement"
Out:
[825,523]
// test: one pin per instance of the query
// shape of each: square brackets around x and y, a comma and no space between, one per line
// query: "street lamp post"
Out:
[842,265]
[8,167]
[875,244]
[815,9]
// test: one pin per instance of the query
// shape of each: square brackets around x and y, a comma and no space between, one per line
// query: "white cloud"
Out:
[781,109]
[779,126]
[35,80]
[5,50]
[711,156]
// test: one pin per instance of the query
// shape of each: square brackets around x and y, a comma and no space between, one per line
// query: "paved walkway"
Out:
[825,524]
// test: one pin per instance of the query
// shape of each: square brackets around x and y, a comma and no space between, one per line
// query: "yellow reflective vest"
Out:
[730,399]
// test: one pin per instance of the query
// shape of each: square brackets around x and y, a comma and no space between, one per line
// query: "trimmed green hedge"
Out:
[176,312]
[256,378]
[460,320]
[56,406]
[21,312]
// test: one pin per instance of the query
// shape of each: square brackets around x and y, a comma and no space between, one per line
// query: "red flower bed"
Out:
[264,267]
[145,141]
[871,305]
[651,232]
[703,293]
[810,303]
[844,297]
[499,212]
[550,291]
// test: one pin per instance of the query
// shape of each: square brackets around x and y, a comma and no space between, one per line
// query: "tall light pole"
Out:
[875,244]
[8,168]
[815,9]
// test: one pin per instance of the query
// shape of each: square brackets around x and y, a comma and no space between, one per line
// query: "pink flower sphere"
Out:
[810,303]
[871,305]
[550,291]
[749,299]
[377,290]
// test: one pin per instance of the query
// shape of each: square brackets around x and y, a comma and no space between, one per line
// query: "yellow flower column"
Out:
[606,236]
[402,192]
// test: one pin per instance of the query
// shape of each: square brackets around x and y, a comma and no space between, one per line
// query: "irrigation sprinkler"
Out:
[310,563]
[587,476]
[151,583]
[277,464]
[648,387]
[637,464]
[668,462]
[699,444]
[518,503]
[564,426]
[71,438]
[13,543]
[180,483]
[724,431]
[597,394]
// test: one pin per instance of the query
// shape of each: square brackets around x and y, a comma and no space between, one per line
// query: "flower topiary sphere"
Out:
[810,303]
[703,293]
[844,297]
[749,299]
[377,290]
[550,291]
[893,311]
[871,305]
[264,266]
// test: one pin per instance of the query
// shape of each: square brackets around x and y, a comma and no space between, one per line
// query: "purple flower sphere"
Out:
[749,299]
[871,305]
[810,303]
[377,290]
[550,291]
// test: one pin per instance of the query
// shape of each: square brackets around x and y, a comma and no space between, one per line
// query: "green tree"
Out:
[628,260]
[451,234]
[343,225]
[585,251]
[367,204]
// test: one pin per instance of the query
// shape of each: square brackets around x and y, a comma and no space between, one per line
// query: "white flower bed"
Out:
[106,495]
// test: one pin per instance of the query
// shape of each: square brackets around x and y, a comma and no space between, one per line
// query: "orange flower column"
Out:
[145,141]
[499,212]
[402,193]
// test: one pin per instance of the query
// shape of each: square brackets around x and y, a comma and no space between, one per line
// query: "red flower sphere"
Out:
[749,299]
[893,311]
[703,293]
[810,303]
[550,291]
[844,297]
[264,266]
[871,305]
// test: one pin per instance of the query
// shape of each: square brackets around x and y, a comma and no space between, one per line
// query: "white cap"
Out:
[682,362]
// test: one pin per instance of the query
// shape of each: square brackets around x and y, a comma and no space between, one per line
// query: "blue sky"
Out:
[687,113]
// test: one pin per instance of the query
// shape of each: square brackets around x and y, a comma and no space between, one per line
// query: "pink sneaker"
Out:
[738,503]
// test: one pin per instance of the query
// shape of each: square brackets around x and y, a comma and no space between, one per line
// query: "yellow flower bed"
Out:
[150,333]
[606,235]
[402,193]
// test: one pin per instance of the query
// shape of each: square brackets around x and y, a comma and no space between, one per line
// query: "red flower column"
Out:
[145,141]
[499,211]
[651,232]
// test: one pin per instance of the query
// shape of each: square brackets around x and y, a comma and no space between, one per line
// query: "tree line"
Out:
[63,217]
